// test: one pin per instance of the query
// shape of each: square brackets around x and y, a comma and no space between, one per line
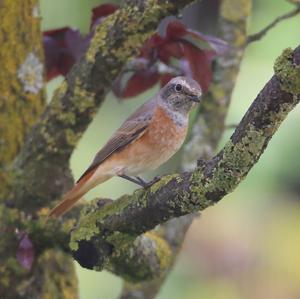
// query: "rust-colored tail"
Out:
[65,205]
[70,198]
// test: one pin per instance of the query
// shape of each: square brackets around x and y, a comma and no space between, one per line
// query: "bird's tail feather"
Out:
[65,205]
[71,197]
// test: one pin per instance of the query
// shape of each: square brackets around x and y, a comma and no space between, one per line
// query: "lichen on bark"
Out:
[19,105]
[288,72]
[190,191]
[22,101]
[50,143]
[78,98]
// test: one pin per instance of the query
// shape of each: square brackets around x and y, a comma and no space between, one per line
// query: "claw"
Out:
[139,181]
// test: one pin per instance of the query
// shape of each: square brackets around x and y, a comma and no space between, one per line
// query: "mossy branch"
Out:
[121,221]
[206,132]
[41,171]
[47,150]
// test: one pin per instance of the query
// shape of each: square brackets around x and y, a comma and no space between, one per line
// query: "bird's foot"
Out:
[145,184]
[152,182]
[139,181]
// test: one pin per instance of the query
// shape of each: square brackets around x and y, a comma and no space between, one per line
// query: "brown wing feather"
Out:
[132,129]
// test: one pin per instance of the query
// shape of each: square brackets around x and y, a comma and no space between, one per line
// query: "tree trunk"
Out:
[22,99]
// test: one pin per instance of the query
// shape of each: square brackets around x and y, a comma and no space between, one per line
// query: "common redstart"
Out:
[148,138]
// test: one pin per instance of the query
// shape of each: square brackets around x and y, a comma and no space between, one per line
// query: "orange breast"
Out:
[161,140]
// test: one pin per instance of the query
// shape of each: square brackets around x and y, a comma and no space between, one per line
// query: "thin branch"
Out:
[175,195]
[231,126]
[257,36]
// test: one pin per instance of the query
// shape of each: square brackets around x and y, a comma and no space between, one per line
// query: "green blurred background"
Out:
[247,246]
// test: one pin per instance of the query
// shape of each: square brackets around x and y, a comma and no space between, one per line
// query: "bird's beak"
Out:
[195,98]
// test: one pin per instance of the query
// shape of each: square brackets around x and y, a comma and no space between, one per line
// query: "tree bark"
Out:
[207,130]
[105,236]
[41,173]
[21,78]
[48,148]
[22,100]
[118,223]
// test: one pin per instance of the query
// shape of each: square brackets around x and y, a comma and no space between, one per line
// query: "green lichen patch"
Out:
[287,72]
[235,10]
[163,181]
[90,223]
[147,257]
[163,250]
[71,137]
[119,239]
[83,232]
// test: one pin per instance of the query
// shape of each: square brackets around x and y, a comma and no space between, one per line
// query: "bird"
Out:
[146,139]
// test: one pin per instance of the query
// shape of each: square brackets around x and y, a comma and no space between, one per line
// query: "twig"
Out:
[257,36]
[231,126]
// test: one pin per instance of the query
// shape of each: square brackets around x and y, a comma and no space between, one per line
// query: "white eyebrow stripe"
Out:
[184,83]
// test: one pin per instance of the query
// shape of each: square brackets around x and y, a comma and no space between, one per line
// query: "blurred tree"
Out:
[34,160]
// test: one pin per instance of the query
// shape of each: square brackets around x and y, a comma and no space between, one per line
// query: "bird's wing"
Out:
[132,129]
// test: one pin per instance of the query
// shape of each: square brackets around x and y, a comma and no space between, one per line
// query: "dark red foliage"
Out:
[25,251]
[62,48]
[180,51]
[102,11]
[135,83]
[199,65]
[165,78]
[192,50]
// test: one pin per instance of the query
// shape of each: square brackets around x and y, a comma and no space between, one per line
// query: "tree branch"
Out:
[118,223]
[48,148]
[207,131]
[41,171]
[259,35]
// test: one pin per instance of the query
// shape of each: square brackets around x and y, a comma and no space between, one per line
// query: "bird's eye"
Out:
[178,87]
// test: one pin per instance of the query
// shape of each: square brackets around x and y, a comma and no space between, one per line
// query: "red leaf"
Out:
[175,30]
[199,65]
[155,41]
[25,252]
[102,11]
[51,57]
[217,45]
[135,84]
[62,47]
[151,46]
[76,44]
[193,53]
[57,33]
[170,49]
[165,78]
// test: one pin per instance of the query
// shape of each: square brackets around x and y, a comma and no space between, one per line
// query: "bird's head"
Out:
[180,94]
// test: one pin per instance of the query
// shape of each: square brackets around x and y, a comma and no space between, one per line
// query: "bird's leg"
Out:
[144,183]
[152,182]
[139,181]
